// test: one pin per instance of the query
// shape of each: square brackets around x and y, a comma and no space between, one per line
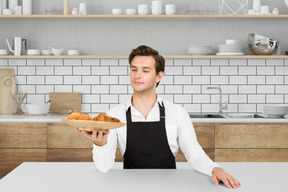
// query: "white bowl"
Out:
[37,108]
[275,110]
[200,50]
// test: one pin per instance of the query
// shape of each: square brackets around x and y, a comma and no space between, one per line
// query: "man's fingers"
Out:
[214,179]
[106,134]
[232,182]
[226,182]
[94,136]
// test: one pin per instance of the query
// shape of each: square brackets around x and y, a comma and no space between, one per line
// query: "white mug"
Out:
[17,10]
[264,9]
[3,52]
[130,11]
[73,52]
[232,41]
[82,9]
[117,11]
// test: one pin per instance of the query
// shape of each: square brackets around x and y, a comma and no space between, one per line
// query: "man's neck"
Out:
[144,102]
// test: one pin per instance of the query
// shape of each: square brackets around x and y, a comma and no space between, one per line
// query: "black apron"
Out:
[147,144]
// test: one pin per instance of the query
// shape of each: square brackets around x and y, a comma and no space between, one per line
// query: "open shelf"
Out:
[166,56]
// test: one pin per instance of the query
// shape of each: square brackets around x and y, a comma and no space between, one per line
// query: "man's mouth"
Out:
[138,83]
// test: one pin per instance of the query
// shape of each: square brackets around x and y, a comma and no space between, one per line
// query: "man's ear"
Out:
[159,76]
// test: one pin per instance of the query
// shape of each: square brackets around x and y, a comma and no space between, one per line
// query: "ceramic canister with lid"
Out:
[27,7]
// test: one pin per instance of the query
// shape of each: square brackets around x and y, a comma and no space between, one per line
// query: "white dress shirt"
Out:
[178,128]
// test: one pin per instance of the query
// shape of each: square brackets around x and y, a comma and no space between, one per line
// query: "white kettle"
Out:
[18,47]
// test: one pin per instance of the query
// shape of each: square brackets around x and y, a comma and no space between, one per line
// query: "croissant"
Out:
[105,117]
[74,116]
[84,116]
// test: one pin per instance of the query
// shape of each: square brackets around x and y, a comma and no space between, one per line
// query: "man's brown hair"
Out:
[144,50]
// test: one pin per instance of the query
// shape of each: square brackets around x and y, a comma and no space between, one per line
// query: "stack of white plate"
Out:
[230,49]
[275,110]
[200,50]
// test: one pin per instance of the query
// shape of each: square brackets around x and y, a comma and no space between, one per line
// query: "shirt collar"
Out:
[128,103]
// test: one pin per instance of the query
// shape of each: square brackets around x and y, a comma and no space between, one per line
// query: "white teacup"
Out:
[170,11]
[33,52]
[73,52]
[157,11]
[232,42]
[264,9]
[130,11]
[117,11]
[3,52]
[56,51]
[45,52]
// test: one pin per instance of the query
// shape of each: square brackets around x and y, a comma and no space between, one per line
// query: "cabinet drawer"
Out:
[251,155]
[63,136]
[251,136]
[205,134]
[22,135]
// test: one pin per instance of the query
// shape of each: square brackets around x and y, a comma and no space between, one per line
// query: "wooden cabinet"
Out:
[251,142]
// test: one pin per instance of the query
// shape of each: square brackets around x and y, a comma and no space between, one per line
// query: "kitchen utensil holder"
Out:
[233,7]
[18,99]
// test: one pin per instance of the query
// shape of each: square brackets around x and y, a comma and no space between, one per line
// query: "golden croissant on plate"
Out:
[100,117]
[106,118]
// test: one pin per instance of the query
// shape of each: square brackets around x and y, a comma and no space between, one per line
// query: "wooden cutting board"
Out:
[7,87]
[65,102]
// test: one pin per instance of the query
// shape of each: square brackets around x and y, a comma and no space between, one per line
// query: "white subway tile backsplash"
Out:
[274,99]
[247,108]
[81,70]
[167,97]
[86,108]
[265,70]
[44,89]
[286,98]
[3,62]
[92,62]
[237,98]
[247,70]
[274,62]
[219,62]
[169,62]
[124,97]
[82,88]
[125,80]
[200,99]
[201,62]
[274,80]
[90,98]
[20,80]
[160,89]
[118,89]
[35,62]
[232,108]
[109,98]
[182,99]
[100,89]
[229,89]
[208,108]
[173,71]
[237,80]
[247,89]
[286,62]
[178,62]
[182,80]
[73,62]
[72,80]
[192,108]
[210,71]
[191,70]
[63,70]
[63,88]
[256,98]
[281,89]
[282,70]
[219,80]
[200,80]
[91,80]
[100,70]
[256,62]
[173,89]
[192,89]
[26,88]
[54,80]
[265,89]
[26,70]
[166,80]
[109,80]
[256,80]
[237,62]
[35,80]
[228,70]
[124,62]
[118,70]
[54,62]
[216,98]
[109,62]
[100,108]
[44,71]
[17,62]
[35,98]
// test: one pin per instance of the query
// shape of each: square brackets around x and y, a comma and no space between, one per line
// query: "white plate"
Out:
[229,53]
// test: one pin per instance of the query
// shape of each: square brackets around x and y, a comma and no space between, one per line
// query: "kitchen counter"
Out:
[51,118]
[47,177]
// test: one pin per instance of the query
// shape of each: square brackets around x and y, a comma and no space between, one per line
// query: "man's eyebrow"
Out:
[132,66]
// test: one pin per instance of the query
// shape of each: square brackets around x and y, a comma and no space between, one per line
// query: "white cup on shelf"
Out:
[264,9]
[117,11]
[130,11]
[143,9]
[157,11]
[170,9]
[82,9]
[17,10]
[3,52]
[73,52]
[7,12]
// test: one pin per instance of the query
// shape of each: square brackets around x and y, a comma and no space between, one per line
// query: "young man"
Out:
[153,126]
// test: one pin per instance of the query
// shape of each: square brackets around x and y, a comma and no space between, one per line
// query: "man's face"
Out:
[143,73]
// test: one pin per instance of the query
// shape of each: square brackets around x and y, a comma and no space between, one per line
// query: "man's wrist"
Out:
[215,169]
